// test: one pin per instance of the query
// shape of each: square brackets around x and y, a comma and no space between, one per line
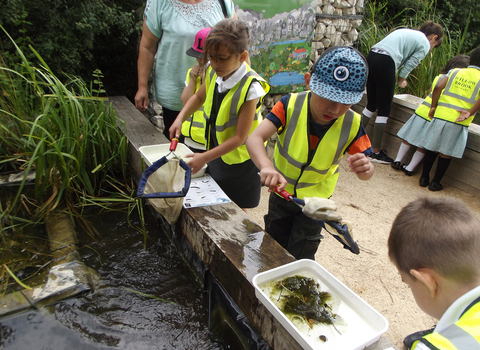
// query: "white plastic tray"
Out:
[363,324]
[155,152]
[407,100]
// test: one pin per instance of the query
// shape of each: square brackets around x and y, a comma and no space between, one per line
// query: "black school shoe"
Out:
[408,173]
[412,338]
[424,181]
[435,186]
[396,165]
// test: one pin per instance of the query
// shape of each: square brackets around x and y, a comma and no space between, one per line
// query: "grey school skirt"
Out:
[412,131]
[445,137]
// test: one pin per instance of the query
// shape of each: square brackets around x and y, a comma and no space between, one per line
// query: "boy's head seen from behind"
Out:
[339,75]
[441,234]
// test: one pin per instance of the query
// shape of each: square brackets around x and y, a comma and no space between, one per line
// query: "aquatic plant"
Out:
[65,133]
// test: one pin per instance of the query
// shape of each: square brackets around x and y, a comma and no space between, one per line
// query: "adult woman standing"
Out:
[169,29]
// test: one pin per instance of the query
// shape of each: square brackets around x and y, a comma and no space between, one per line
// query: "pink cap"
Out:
[197,49]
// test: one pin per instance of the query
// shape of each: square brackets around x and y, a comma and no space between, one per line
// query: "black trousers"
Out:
[380,83]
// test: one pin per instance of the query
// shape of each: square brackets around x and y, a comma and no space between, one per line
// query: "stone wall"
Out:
[336,23]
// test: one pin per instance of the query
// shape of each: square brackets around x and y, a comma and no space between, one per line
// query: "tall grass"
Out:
[65,133]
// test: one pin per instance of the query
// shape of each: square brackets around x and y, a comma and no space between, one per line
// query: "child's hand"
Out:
[401,82]
[197,162]
[271,178]
[361,166]
[463,115]
[176,129]
[196,71]
[431,112]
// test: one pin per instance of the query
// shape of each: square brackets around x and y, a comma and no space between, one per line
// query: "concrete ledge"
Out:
[228,242]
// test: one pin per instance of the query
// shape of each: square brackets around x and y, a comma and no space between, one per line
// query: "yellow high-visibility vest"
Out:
[317,178]
[424,108]
[461,92]
[227,117]
[463,334]
[194,126]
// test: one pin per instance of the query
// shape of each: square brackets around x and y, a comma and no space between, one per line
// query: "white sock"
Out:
[416,159]
[402,150]
[367,113]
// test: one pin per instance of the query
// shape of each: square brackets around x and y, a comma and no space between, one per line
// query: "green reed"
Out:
[70,137]
[64,132]
[419,81]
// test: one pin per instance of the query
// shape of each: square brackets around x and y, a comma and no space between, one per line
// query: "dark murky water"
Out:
[113,316]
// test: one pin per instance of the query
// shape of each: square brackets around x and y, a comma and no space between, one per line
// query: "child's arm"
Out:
[193,104]
[245,120]
[467,114]
[361,166]
[437,91]
[189,90]
[256,148]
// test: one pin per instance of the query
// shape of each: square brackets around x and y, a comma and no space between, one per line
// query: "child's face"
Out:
[224,62]
[325,111]
[421,294]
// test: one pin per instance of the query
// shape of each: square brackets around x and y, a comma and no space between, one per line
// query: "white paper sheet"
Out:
[204,191]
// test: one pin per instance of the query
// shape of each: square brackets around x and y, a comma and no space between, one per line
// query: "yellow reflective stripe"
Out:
[450,90]
[300,101]
[227,118]
[319,177]
[464,334]
[461,82]
[424,108]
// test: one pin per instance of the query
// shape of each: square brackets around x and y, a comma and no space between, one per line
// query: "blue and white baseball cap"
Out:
[340,75]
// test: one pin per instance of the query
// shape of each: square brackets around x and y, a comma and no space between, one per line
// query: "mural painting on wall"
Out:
[281,36]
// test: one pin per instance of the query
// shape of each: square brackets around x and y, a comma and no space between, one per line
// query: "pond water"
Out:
[115,314]
[286,78]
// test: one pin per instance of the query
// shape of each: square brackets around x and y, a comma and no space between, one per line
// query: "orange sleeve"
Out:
[360,145]
[279,111]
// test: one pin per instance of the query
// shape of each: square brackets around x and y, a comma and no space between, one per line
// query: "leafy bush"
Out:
[78,36]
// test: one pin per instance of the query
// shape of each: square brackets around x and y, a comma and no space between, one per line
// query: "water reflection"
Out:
[113,316]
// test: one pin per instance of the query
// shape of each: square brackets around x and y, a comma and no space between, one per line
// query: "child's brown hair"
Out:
[429,27]
[232,33]
[459,61]
[437,233]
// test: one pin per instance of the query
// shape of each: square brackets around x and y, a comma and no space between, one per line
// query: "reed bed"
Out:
[374,28]
[67,134]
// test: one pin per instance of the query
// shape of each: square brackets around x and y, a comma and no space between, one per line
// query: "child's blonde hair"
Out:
[232,33]
[437,233]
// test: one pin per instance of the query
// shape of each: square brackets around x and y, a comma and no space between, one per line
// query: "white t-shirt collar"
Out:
[224,85]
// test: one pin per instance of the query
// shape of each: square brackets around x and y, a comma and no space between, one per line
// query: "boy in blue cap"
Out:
[315,128]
